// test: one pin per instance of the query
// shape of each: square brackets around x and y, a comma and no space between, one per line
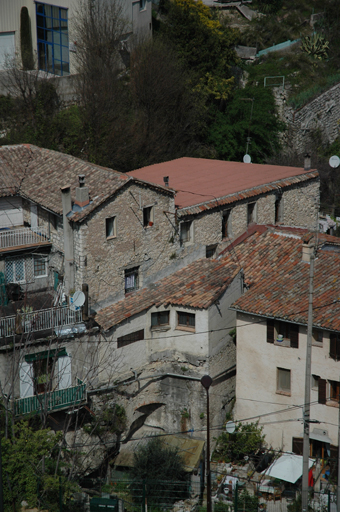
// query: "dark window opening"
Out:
[334,388]
[278,209]
[334,346]
[43,370]
[317,336]
[186,231]
[251,207]
[110,226]
[210,251]
[123,341]
[148,216]
[186,319]
[160,318]
[226,218]
[131,279]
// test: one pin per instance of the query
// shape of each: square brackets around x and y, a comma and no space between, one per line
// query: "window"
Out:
[52,34]
[315,382]
[322,391]
[283,381]
[334,346]
[160,318]
[282,333]
[40,266]
[142,4]
[186,320]
[251,213]
[278,209]
[131,279]
[43,370]
[122,341]
[186,231]
[210,251]
[53,220]
[317,337]
[334,388]
[226,224]
[148,216]
[15,270]
[110,227]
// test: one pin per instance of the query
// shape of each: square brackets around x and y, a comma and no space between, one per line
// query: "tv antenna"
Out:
[246,158]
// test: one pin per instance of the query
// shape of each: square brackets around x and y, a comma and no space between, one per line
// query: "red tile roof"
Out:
[278,279]
[39,174]
[200,182]
[198,285]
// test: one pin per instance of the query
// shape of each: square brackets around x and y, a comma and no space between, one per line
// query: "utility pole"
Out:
[306,414]
[206,382]
[338,488]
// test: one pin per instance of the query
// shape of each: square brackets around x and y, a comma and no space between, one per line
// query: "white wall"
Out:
[256,395]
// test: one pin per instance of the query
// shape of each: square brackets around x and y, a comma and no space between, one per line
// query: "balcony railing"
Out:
[51,401]
[42,320]
[23,237]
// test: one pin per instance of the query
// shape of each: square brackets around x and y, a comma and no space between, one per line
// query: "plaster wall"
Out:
[256,383]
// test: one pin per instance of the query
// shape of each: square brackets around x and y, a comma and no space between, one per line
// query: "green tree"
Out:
[230,128]
[200,39]
[245,441]
[162,467]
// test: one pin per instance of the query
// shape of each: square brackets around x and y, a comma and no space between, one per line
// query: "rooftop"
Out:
[38,174]
[278,279]
[198,285]
[199,181]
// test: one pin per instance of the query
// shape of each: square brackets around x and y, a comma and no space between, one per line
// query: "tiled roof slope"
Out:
[198,285]
[278,279]
[199,182]
[39,174]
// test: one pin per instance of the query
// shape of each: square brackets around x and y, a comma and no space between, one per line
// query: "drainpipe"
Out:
[68,240]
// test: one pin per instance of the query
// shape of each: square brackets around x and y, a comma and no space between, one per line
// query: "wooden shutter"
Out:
[332,345]
[322,391]
[270,331]
[294,336]
[298,445]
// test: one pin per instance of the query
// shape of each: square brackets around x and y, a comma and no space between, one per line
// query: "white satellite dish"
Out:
[230,427]
[247,159]
[78,299]
[334,161]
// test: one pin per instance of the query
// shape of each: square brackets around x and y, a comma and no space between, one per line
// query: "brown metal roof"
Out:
[200,181]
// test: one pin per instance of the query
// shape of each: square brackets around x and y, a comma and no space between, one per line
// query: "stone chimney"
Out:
[307,162]
[82,192]
[307,247]
[68,241]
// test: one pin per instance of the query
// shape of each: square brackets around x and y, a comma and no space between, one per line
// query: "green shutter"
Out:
[37,356]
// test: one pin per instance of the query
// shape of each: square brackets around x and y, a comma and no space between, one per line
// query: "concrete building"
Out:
[272,337]
[51,30]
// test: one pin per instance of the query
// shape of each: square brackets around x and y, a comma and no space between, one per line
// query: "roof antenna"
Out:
[247,158]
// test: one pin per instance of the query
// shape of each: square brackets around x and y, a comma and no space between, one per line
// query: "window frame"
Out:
[190,238]
[157,315]
[316,342]
[226,223]
[210,251]
[128,273]
[273,330]
[148,216]
[251,215]
[111,220]
[142,5]
[334,345]
[279,389]
[334,391]
[186,326]
[13,261]
[279,209]
[41,258]
[128,339]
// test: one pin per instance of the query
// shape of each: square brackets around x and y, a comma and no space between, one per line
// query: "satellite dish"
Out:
[247,159]
[334,161]
[230,427]
[78,299]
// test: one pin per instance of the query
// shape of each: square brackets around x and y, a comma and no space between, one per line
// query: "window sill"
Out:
[39,277]
[284,393]
[111,237]
[332,403]
[184,328]
[317,344]
[160,328]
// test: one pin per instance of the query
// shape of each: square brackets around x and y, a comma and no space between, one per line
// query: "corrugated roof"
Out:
[200,181]
[198,285]
[39,174]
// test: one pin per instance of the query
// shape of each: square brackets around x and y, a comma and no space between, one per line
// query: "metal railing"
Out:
[23,236]
[34,321]
[51,401]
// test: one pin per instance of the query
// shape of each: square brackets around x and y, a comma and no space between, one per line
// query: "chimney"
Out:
[68,240]
[307,247]
[82,192]
[307,162]
[166,180]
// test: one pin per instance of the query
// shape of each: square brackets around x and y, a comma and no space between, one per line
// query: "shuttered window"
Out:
[294,336]
[322,391]
[270,331]
[130,338]
[334,346]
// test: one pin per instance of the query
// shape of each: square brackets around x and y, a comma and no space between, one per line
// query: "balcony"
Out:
[55,319]
[51,401]
[23,238]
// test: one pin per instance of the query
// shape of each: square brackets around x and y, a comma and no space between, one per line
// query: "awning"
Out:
[319,435]
[288,468]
